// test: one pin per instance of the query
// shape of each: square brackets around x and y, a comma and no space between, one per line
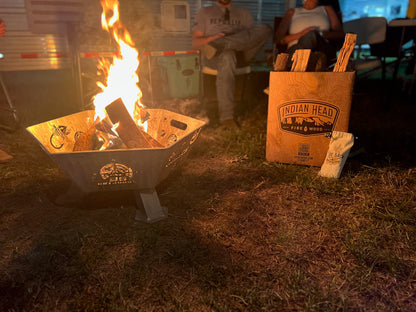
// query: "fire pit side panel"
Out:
[113,170]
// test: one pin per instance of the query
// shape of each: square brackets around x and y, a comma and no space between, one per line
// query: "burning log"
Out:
[85,142]
[152,141]
[127,130]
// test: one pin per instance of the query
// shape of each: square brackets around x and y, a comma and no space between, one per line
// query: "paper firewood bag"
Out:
[304,109]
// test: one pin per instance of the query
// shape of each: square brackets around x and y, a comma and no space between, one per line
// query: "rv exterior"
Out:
[39,41]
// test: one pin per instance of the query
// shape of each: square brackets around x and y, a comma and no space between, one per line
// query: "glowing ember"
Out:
[121,77]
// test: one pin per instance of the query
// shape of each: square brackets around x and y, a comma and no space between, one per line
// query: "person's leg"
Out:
[250,40]
[263,33]
[225,84]
[314,42]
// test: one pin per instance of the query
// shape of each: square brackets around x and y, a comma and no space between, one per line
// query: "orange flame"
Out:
[122,79]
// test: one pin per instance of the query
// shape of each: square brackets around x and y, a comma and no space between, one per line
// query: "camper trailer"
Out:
[57,34]
[39,33]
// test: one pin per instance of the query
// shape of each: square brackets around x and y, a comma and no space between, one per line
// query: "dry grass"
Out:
[243,234]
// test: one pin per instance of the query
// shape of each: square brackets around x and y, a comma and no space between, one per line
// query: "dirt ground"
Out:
[242,234]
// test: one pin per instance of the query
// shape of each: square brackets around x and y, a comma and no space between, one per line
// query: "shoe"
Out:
[230,124]
[208,51]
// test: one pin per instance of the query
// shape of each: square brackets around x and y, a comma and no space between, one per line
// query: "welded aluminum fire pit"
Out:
[139,170]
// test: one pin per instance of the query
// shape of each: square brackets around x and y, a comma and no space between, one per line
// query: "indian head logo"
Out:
[307,117]
[114,174]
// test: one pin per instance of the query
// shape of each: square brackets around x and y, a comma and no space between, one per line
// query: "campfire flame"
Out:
[121,76]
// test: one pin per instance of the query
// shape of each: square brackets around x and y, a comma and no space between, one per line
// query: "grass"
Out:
[243,234]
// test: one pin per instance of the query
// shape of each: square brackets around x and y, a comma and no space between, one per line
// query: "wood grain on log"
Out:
[131,134]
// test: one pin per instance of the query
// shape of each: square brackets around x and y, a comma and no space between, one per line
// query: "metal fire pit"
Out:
[139,170]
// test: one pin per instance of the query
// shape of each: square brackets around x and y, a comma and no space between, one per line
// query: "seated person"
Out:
[221,32]
[310,27]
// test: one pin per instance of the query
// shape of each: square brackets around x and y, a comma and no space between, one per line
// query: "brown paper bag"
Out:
[304,108]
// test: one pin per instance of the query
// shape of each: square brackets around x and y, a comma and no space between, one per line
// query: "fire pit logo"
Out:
[58,136]
[307,117]
[115,174]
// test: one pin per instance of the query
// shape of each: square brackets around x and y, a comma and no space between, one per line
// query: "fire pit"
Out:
[137,169]
[139,147]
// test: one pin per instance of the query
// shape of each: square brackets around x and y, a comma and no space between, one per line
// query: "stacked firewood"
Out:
[117,130]
[303,60]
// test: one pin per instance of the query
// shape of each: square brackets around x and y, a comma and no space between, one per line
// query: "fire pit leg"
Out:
[148,207]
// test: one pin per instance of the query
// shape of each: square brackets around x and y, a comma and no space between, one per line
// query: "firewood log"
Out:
[345,52]
[281,62]
[127,130]
[300,60]
[85,141]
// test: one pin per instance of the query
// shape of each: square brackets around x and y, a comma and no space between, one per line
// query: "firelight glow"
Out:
[122,79]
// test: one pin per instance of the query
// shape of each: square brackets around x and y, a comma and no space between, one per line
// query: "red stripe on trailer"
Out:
[59,55]
[160,53]
[99,54]
[90,54]
[43,55]
[29,56]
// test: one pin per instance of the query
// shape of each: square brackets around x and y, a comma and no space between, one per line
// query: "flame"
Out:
[121,76]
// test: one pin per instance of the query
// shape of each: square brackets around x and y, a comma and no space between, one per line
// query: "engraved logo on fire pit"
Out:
[115,174]
[58,136]
[307,117]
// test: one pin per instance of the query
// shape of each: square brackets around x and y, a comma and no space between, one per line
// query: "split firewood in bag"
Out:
[345,52]
[300,60]
[338,151]
[281,62]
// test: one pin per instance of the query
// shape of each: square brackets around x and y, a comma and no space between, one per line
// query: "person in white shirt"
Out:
[310,27]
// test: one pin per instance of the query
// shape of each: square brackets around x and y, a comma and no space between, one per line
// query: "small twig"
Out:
[241,298]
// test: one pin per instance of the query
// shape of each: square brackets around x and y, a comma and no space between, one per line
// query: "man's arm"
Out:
[199,39]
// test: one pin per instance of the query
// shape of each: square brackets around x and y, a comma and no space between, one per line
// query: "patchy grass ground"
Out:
[242,234]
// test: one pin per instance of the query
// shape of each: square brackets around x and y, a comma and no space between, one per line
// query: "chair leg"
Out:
[209,98]
[12,119]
